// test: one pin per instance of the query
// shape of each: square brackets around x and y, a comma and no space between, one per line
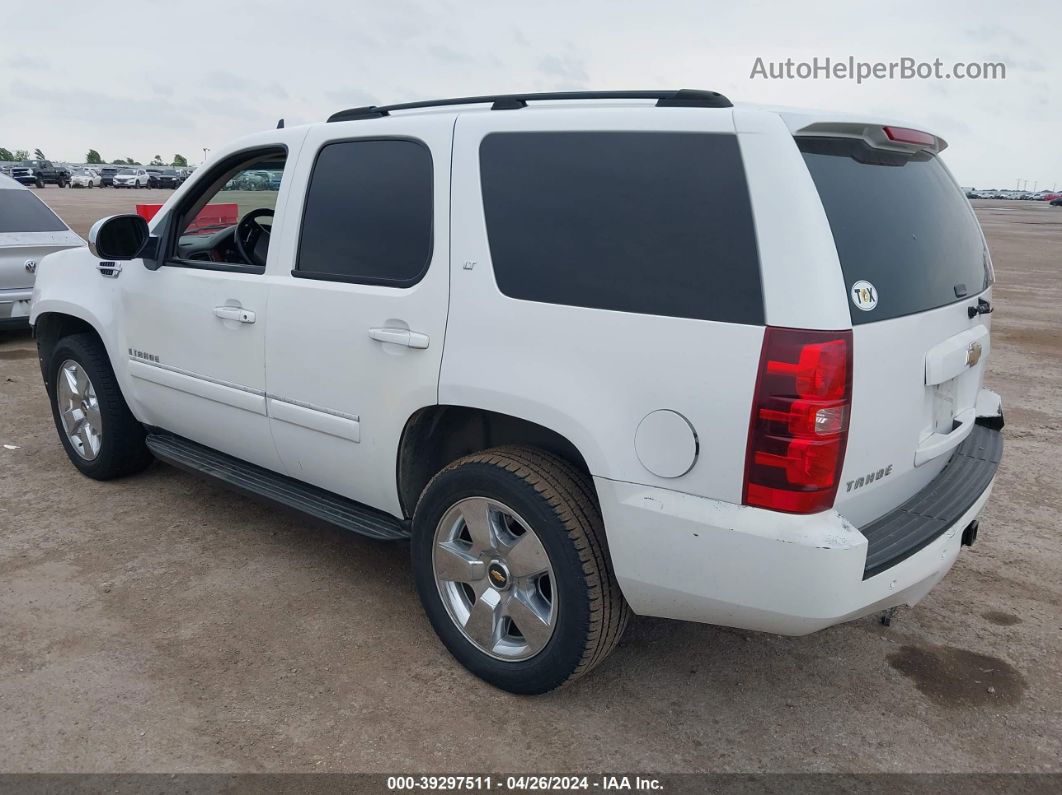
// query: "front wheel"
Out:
[101,436]
[510,563]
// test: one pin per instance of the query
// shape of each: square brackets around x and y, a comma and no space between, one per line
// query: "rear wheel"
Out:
[100,435]
[510,563]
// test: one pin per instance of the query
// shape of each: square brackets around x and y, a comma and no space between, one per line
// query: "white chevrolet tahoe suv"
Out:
[591,354]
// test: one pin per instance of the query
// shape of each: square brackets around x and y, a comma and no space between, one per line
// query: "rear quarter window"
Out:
[656,223]
[900,222]
[21,211]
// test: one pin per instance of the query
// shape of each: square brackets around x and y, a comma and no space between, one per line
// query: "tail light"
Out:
[799,426]
[905,135]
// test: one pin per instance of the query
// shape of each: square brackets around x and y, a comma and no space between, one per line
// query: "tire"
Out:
[548,497]
[39,183]
[121,450]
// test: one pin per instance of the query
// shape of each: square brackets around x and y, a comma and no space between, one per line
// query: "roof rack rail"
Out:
[682,98]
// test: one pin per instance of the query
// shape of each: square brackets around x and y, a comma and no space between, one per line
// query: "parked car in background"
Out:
[107,175]
[85,178]
[161,177]
[1056,202]
[252,180]
[40,173]
[131,178]
[28,231]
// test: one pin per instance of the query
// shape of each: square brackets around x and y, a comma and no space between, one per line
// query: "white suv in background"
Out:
[590,353]
[131,178]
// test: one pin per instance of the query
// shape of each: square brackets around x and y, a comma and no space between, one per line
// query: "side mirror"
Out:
[118,237]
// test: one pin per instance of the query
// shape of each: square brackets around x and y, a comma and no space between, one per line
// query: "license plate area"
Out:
[944,405]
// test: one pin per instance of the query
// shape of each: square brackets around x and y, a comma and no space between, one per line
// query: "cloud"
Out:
[27,62]
[568,69]
[993,33]
[448,54]
[94,107]
[352,97]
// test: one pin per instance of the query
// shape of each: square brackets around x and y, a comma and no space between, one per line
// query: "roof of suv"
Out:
[798,120]
[682,98]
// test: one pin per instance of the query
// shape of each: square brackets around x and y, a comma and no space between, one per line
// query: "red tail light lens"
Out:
[799,426]
[906,135]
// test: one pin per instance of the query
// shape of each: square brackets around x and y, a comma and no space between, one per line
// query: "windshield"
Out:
[899,222]
[21,211]
[126,171]
[33,163]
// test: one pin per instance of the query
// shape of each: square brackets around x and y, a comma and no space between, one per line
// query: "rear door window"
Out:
[368,216]
[656,223]
[899,222]
[21,211]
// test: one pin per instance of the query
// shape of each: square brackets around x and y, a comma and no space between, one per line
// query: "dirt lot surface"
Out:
[163,624]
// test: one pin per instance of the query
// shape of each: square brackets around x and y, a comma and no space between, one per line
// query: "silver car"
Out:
[28,231]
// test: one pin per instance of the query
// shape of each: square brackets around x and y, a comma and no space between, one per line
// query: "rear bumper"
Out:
[695,559]
[15,308]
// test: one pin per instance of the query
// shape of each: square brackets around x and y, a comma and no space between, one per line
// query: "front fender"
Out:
[69,283]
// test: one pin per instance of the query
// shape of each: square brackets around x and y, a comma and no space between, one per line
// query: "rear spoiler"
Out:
[879,136]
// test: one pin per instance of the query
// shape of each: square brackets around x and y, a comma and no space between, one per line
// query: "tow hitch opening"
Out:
[969,535]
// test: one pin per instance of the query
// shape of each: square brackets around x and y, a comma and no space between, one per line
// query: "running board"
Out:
[259,482]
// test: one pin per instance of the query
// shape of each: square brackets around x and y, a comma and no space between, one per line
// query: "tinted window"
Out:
[901,223]
[21,211]
[655,223]
[368,214]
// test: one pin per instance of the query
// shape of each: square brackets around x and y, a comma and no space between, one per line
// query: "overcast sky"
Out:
[148,77]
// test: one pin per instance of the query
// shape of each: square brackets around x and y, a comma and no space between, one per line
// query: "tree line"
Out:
[93,157]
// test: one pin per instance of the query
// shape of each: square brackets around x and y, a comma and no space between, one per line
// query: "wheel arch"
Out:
[51,326]
[435,436]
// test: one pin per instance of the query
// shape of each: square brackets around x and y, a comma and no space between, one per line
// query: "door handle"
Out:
[236,313]
[400,336]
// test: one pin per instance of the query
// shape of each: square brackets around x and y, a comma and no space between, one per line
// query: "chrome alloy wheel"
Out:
[79,410]
[495,579]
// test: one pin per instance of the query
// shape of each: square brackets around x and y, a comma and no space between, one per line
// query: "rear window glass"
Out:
[21,211]
[901,223]
[651,222]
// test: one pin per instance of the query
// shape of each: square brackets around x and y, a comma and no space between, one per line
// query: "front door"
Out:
[358,310]
[195,327]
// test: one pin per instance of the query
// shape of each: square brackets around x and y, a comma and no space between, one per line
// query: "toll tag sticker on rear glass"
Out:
[864,295]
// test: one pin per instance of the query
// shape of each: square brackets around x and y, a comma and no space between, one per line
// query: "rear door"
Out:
[914,263]
[357,318]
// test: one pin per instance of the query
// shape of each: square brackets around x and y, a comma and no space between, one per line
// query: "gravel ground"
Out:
[163,624]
